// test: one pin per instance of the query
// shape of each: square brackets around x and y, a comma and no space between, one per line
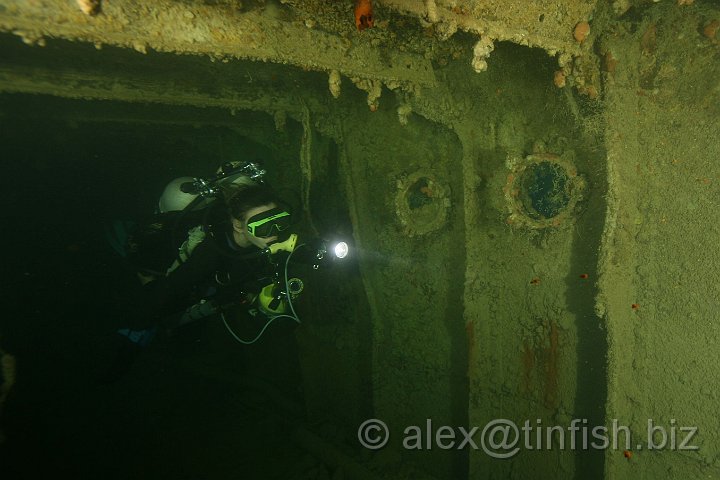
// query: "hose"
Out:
[294,315]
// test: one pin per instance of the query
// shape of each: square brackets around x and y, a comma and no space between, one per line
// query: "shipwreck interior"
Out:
[529,190]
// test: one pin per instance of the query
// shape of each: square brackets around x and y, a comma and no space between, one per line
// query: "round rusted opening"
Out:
[419,194]
[544,190]
[422,203]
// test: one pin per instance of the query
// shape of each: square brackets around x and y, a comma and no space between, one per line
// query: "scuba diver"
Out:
[237,251]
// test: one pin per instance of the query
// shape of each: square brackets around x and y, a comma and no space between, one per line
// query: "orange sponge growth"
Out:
[710,30]
[363,14]
[582,30]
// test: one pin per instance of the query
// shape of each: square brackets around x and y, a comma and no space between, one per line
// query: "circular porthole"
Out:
[421,203]
[542,191]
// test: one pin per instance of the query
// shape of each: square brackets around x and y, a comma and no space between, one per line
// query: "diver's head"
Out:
[255,216]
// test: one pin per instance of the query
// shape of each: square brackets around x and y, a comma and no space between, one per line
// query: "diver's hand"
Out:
[145,278]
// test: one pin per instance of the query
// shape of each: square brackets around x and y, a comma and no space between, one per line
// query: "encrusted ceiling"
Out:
[407,40]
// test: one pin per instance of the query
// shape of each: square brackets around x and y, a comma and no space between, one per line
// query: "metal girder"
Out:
[217,31]
[96,86]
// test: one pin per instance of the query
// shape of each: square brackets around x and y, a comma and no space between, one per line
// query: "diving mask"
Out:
[269,223]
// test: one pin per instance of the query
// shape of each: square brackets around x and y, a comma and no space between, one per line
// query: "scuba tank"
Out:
[186,211]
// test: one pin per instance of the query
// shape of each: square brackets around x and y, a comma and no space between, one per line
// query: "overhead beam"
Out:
[95,86]
[218,31]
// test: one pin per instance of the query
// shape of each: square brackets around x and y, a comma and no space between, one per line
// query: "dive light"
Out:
[341,250]
[336,251]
